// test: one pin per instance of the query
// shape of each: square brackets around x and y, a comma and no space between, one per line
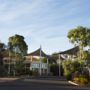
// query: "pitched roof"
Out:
[72,51]
[37,53]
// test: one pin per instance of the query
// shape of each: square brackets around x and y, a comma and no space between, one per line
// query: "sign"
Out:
[37,65]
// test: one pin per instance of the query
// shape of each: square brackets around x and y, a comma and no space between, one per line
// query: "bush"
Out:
[50,74]
[35,73]
[68,77]
[54,68]
[75,74]
[30,72]
[20,73]
[3,71]
[76,79]
[11,73]
[81,79]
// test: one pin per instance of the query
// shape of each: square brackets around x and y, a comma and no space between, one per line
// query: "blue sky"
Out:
[43,22]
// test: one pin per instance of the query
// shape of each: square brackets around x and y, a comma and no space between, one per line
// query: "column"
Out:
[59,66]
[9,64]
[31,62]
[40,63]
[47,66]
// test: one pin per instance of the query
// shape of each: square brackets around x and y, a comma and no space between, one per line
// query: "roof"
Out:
[37,53]
[72,51]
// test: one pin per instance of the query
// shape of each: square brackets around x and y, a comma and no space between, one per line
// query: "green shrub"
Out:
[11,73]
[70,67]
[54,68]
[81,76]
[3,71]
[76,79]
[50,74]
[35,73]
[30,72]
[68,77]
[83,81]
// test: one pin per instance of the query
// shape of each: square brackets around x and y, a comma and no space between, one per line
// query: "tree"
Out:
[18,43]
[3,52]
[2,49]
[84,57]
[3,71]
[70,67]
[18,47]
[80,36]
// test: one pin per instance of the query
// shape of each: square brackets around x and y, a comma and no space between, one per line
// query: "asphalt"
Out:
[38,84]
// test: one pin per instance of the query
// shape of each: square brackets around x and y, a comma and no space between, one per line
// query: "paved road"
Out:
[38,84]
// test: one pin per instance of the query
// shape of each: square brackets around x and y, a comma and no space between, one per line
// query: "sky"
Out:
[43,22]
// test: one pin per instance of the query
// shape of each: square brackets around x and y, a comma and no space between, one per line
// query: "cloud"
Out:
[44,22]
[38,8]
[12,10]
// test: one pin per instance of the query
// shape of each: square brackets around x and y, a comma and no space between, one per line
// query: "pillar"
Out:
[47,67]
[59,66]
